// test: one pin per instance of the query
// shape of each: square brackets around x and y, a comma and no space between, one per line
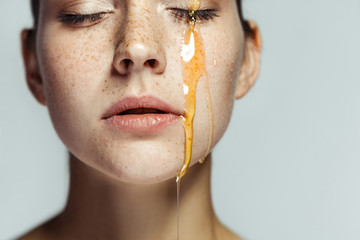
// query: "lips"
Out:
[140,115]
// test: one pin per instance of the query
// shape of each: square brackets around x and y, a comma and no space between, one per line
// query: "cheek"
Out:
[72,67]
[224,58]
[69,61]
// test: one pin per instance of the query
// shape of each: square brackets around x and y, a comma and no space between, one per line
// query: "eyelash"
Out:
[202,15]
[81,18]
[180,14]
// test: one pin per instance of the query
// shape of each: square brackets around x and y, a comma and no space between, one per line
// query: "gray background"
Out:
[288,167]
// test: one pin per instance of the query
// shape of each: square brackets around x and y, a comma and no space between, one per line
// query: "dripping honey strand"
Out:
[193,69]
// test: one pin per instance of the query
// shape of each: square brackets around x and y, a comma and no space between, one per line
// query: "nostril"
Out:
[127,63]
[153,63]
[137,59]
[124,66]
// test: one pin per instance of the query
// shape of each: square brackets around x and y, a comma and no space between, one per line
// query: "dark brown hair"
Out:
[244,22]
[35,12]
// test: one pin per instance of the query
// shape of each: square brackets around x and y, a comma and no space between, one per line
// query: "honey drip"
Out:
[178,208]
[193,61]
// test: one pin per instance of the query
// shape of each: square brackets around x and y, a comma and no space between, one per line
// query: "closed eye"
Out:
[202,15]
[76,19]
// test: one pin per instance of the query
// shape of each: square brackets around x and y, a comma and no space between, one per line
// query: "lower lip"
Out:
[142,123]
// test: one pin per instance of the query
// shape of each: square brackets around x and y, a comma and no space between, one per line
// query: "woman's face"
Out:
[125,55]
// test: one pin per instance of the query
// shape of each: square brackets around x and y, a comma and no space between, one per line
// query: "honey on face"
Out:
[193,61]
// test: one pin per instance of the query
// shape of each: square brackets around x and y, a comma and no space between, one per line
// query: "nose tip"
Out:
[139,57]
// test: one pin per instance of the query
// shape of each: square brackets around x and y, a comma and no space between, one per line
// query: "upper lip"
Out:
[142,104]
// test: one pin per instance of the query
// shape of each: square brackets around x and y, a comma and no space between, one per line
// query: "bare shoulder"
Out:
[37,233]
[42,232]
[229,235]
[233,236]
[225,233]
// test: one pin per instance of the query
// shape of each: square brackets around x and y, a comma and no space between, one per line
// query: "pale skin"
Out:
[123,184]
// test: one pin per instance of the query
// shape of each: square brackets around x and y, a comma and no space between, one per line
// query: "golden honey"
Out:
[193,61]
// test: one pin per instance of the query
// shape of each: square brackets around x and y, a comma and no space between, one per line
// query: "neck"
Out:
[99,206]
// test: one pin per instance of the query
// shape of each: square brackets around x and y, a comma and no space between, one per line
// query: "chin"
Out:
[149,179]
[142,176]
[139,164]
[148,159]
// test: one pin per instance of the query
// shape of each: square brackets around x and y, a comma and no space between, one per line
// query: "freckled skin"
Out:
[83,75]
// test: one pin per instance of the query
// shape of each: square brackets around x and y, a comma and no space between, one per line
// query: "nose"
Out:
[140,47]
[136,56]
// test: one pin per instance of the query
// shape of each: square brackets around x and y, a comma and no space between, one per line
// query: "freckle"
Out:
[113,93]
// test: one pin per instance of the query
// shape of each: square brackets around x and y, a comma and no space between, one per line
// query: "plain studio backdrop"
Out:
[288,168]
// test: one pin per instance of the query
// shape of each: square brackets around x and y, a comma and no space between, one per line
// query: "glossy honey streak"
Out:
[193,69]
[193,60]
